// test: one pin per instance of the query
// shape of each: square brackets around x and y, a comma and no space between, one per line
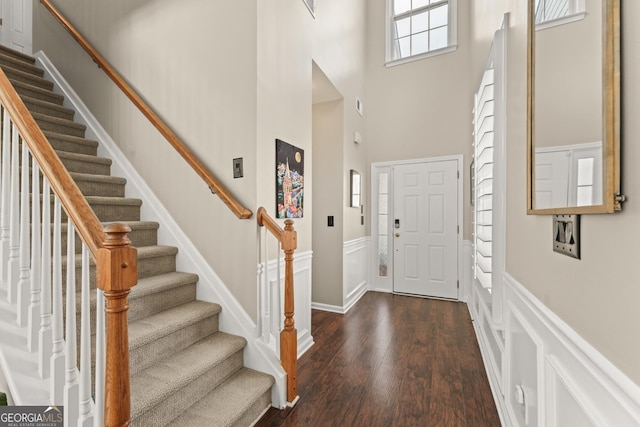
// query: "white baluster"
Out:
[14,219]
[25,252]
[86,417]
[98,418]
[265,290]
[45,337]
[71,386]
[34,303]
[279,304]
[57,356]
[5,199]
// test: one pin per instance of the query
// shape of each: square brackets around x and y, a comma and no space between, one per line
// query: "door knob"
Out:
[397,234]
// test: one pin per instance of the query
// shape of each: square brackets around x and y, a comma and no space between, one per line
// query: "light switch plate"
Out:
[237,168]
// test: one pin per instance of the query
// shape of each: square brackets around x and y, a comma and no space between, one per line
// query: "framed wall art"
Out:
[289,180]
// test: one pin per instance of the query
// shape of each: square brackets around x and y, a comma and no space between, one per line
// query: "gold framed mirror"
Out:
[573,111]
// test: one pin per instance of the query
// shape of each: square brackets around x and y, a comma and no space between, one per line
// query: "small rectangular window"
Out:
[556,12]
[420,28]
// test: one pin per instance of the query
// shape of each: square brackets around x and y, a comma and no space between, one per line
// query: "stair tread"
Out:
[224,405]
[139,225]
[16,63]
[84,157]
[151,328]
[107,200]
[72,138]
[52,105]
[79,176]
[154,385]
[7,51]
[162,282]
[58,120]
[144,252]
[38,80]
[48,92]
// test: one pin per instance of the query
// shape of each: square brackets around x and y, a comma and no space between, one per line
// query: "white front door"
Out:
[425,228]
[17,25]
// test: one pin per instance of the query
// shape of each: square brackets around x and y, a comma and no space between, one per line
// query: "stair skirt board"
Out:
[181,363]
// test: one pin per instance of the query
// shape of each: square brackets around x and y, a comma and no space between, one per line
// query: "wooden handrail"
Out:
[87,224]
[289,335]
[212,182]
[116,259]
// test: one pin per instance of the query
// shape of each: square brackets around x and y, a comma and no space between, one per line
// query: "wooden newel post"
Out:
[289,335]
[117,274]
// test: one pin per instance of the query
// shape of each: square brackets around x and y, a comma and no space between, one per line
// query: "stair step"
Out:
[99,185]
[72,144]
[4,50]
[158,293]
[143,234]
[48,95]
[58,125]
[164,390]
[240,400]
[85,163]
[152,261]
[17,75]
[109,209]
[19,63]
[167,333]
[115,209]
[36,105]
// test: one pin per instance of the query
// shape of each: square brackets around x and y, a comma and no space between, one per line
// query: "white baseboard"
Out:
[356,256]
[564,378]
[328,307]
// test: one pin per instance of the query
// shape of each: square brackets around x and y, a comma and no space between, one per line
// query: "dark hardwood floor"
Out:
[391,361]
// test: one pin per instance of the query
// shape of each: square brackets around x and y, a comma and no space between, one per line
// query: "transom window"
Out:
[420,27]
[558,11]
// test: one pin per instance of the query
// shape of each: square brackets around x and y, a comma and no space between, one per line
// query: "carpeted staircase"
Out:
[184,372]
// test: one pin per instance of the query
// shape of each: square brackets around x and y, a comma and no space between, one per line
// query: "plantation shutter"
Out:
[483,125]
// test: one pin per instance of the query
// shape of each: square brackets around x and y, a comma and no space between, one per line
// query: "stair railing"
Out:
[212,182]
[288,335]
[287,237]
[32,272]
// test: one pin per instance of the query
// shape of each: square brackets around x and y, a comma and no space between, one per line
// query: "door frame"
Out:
[385,283]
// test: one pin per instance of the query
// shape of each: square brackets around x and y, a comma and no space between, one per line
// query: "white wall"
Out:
[596,296]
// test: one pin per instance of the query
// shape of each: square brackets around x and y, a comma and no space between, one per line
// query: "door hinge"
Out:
[458,283]
[458,229]
[458,174]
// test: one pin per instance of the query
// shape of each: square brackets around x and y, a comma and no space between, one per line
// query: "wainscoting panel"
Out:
[355,273]
[272,301]
[543,373]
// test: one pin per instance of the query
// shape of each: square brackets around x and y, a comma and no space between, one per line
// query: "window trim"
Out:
[452,31]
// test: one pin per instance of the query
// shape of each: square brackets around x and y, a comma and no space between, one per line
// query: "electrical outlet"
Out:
[330,221]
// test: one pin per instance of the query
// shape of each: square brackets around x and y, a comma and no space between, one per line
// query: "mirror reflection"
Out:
[567,126]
